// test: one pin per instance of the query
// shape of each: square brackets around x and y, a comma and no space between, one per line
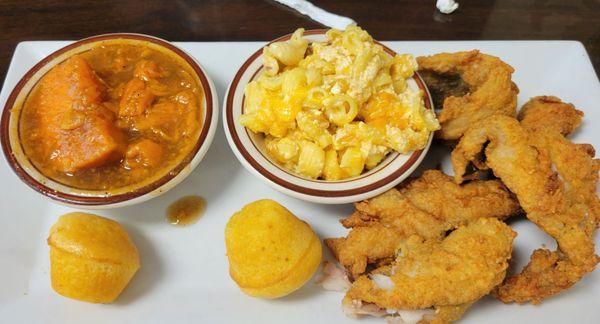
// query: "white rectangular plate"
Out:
[184,275]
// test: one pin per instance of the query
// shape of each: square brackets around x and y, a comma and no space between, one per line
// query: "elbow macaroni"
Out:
[331,110]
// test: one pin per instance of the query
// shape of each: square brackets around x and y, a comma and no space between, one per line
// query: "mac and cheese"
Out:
[331,110]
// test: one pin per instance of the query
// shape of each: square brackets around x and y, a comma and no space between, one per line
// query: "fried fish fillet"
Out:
[555,182]
[428,206]
[549,113]
[447,275]
[468,87]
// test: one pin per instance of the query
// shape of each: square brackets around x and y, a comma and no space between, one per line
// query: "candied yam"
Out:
[97,142]
[147,70]
[70,85]
[144,153]
[76,128]
[159,89]
[161,119]
[171,119]
[72,119]
[136,98]
[80,81]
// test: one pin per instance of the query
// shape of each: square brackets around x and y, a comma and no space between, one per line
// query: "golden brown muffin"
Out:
[271,252]
[92,258]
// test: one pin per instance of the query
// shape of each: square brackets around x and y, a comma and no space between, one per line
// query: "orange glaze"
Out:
[186,210]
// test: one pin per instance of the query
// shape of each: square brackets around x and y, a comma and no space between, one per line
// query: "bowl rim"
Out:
[312,193]
[208,127]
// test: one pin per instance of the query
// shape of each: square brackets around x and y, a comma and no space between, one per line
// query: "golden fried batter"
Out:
[490,89]
[550,113]
[428,206]
[555,183]
[460,269]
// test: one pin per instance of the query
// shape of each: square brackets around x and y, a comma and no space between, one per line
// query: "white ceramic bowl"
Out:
[249,147]
[101,199]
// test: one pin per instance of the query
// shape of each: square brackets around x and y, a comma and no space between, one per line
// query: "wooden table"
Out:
[214,20]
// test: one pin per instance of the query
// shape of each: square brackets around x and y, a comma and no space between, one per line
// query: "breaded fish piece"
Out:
[549,113]
[555,182]
[489,89]
[428,206]
[459,270]
[368,245]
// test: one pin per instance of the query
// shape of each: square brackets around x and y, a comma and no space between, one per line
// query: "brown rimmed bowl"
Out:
[250,150]
[102,199]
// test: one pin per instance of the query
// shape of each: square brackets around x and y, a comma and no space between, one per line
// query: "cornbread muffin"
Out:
[92,258]
[271,252]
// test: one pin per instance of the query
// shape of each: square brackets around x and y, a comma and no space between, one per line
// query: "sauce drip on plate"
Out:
[186,210]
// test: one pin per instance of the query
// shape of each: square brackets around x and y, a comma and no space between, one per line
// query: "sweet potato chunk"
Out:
[136,98]
[144,153]
[147,70]
[95,143]
[78,131]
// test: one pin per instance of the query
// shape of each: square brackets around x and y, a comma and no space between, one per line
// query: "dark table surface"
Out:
[235,20]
